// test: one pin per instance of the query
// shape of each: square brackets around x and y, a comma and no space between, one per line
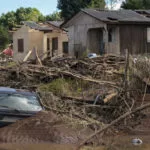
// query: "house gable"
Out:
[23,29]
[82,18]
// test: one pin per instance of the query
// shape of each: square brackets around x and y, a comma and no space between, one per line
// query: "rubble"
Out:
[86,93]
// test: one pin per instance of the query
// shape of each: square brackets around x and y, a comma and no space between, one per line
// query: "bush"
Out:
[4,37]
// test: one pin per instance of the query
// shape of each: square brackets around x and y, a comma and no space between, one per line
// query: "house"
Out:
[45,38]
[105,31]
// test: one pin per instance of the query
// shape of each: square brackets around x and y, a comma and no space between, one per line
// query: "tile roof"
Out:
[117,15]
[55,23]
[34,25]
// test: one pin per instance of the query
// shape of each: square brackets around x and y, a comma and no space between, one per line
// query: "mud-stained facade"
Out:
[105,32]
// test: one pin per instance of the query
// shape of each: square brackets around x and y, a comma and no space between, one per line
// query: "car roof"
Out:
[17,91]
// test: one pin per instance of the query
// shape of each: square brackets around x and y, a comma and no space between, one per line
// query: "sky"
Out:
[44,6]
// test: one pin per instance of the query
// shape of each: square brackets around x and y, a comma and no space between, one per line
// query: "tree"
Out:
[4,37]
[8,20]
[70,7]
[28,14]
[55,16]
[12,19]
[136,4]
[97,4]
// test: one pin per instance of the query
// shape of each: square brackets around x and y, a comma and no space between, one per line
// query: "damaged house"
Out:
[105,31]
[46,38]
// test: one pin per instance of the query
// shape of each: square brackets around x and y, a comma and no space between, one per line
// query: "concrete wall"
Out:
[22,33]
[32,39]
[36,39]
[62,37]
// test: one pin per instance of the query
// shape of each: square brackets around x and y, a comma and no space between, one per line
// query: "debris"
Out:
[27,56]
[92,55]
[137,141]
[91,93]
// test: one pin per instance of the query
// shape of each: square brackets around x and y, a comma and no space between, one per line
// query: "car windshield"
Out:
[20,102]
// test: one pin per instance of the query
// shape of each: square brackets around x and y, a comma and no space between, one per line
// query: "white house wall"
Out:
[36,41]
[32,39]
[22,33]
[62,37]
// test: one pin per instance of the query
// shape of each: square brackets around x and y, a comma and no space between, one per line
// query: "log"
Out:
[113,84]
[27,56]
[38,59]
[110,97]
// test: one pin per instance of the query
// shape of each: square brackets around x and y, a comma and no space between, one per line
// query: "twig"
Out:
[113,123]
[144,93]
[126,79]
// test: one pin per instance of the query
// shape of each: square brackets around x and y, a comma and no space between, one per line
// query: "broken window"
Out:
[20,45]
[111,35]
[148,35]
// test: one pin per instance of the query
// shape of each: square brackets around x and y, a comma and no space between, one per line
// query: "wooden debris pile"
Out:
[96,70]
[104,76]
[105,101]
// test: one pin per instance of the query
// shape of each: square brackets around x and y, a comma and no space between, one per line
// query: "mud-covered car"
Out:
[16,104]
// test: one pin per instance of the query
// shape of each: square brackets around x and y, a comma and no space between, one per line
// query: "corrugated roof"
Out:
[34,25]
[116,15]
[55,23]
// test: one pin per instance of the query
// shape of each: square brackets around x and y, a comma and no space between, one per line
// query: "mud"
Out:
[44,127]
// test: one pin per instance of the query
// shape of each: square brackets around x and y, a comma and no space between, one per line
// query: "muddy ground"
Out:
[48,131]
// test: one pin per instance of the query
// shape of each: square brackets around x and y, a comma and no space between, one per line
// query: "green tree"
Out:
[136,4]
[4,37]
[55,16]
[11,19]
[97,4]
[70,7]
[8,20]
[28,14]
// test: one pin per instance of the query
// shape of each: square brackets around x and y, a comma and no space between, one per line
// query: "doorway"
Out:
[95,41]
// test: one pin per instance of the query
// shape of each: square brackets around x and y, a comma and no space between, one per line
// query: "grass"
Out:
[65,87]
[11,64]
[58,86]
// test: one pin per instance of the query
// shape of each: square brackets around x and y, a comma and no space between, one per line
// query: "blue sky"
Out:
[44,6]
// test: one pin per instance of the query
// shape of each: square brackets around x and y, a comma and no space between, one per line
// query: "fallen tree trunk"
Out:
[113,84]
[113,123]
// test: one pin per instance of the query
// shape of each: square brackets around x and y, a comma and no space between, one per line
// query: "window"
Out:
[65,47]
[20,101]
[110,35]
[20,45]
[55,43]
[48,44]
[148,35]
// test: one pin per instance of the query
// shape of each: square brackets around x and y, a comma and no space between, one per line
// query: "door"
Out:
[95,41]
[54,45]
